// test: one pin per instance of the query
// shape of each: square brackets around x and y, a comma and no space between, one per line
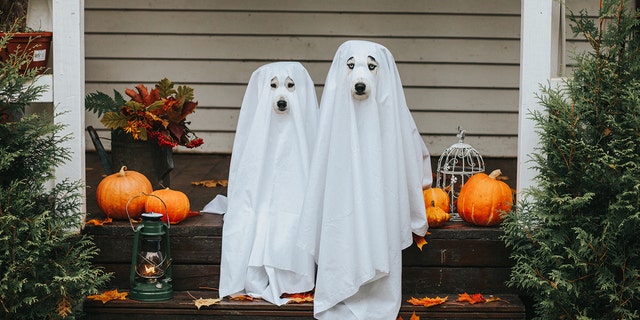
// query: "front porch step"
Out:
[182,307]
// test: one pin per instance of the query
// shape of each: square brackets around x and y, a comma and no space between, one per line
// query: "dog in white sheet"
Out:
[269,169]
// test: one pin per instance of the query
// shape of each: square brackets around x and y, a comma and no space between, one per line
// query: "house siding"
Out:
[458,59]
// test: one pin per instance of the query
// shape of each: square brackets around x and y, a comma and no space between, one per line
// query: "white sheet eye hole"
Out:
[351,63]
[289,84]
[274,83]
[372,64]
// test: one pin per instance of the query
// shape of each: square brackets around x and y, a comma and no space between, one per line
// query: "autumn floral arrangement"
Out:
[158,114]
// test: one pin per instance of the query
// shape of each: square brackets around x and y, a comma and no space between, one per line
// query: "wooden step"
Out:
[182,307]
[457,258]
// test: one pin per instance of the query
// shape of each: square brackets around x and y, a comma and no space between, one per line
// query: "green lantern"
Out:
[151,261]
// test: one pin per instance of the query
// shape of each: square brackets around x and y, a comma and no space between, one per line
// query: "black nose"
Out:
[360,88]
[282,105]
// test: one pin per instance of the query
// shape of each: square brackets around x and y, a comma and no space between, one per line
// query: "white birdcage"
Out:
[455,166]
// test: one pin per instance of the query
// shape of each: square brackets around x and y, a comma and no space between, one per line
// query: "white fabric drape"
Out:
[364,197]
[267,178]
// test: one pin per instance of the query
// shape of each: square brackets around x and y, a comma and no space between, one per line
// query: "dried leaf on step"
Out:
[299,297]
[97,222]
[472,299]
[427,302]
[420,241]
[414,316]
[211,183]
[495,299]
[108,296]
[242,297]
[201,302]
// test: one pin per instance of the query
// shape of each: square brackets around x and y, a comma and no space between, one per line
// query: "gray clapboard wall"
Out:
[458,59]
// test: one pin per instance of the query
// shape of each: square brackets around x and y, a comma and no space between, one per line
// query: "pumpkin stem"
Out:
[121,173]
[433,203]
[495,173]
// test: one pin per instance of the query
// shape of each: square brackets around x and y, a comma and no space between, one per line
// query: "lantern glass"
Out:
[455,166]
[151,260]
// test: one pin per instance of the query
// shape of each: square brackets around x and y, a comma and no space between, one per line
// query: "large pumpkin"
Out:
[177,204]
[115,190]
[483,199]
[438,198]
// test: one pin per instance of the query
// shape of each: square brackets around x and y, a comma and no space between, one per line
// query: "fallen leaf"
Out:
[242,297]
[427,302]
[97,222]
[108,296]
[472,299]
[201,302]
[495,299]
[420,241]
[298,297]
[211,183]
[414,316]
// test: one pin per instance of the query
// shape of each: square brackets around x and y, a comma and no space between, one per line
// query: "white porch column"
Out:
[541,52]
[68,83]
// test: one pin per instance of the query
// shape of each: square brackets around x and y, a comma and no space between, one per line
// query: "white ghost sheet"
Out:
[364,198]
[268,174]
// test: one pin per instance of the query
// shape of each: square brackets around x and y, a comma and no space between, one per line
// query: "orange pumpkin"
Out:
[483,199]
[178,205]
[438,197]
[115,190]
[436,217]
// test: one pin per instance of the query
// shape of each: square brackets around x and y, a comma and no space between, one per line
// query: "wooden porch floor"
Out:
[188,168]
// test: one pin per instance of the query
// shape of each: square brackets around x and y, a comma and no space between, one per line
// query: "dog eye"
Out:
[274,83]
[351,65]
[372,66]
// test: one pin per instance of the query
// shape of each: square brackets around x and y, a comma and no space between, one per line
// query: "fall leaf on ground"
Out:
[109,295]
[298,297]
[97,222]
[242,297]
[211,183]
[495,299]
[472,299]
[420,241]
[427,302]
[414,316]
[202,302]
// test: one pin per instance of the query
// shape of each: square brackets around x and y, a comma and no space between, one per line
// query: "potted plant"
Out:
[145,128]
[21,39]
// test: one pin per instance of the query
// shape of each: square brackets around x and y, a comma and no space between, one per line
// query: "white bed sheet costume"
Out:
[268,173]
[364,197]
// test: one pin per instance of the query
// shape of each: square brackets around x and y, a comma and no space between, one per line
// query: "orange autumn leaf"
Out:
[472,299]
[413,317]
[242,297]
[298,297]
[108,296]
[495,299]
[427,302]
[97,222]
[211,183]
[420,241]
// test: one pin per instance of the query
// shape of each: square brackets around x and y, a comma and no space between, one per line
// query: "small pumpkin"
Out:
[483,199]
[437,196]
[436,217]
[177,204]
[114,192]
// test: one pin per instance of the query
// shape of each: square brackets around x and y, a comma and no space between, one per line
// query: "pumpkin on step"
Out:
[114,192]
[177,204]
[436,217]
[438,197]
[483,199]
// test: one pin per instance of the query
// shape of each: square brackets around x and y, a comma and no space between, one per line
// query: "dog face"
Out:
[362,75]
[282,89]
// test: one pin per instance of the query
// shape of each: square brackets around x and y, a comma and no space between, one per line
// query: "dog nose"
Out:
[282,105]
[360,87]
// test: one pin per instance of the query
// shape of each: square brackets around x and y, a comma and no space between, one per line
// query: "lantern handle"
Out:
[166,210]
